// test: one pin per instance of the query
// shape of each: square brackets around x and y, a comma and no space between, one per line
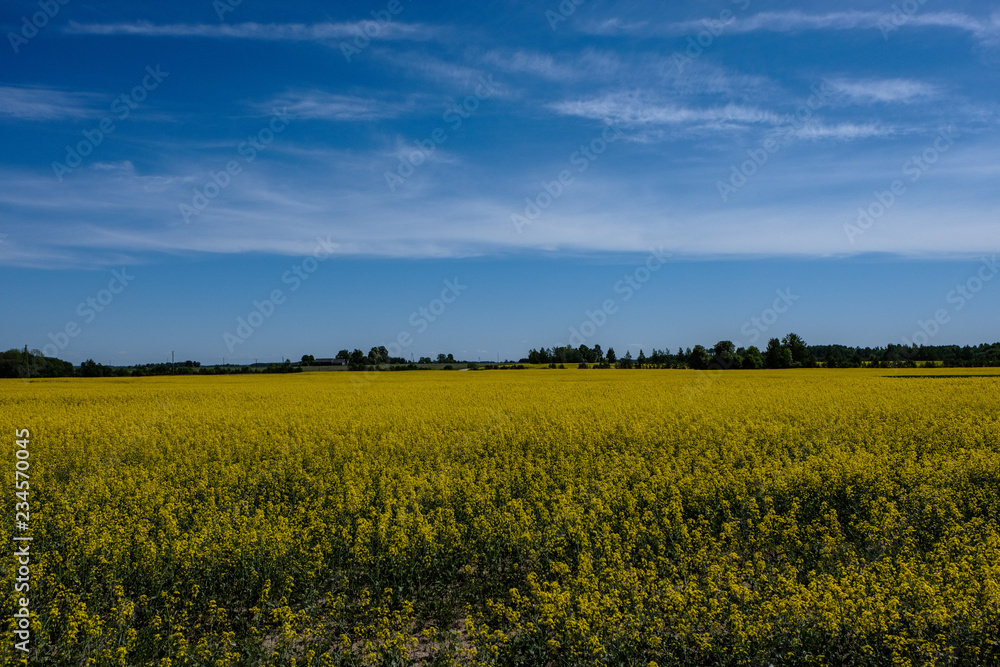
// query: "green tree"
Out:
[308,360]
[611,356]
[800,353]
[724,353]
[699,359]
[772,355]
[752,359]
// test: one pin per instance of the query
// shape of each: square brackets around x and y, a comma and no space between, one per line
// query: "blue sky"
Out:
[536,155]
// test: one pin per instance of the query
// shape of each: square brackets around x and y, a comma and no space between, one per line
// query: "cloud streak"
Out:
[798,21]
[45,104]
[275,32]
[872,91]
[323,105]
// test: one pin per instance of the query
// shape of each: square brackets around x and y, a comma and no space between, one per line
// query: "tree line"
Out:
[377,356]
[788,352]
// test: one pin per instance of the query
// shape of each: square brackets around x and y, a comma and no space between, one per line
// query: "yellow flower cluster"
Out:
[573,517]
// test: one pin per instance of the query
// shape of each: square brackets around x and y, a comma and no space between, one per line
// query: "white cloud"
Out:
[285,32]
[536,64]
[841,131]
[109,212]
[634,111]
[798,21]
[324,105]
[884,90]
[42,104]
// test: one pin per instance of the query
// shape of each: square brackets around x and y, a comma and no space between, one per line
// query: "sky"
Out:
[238,180]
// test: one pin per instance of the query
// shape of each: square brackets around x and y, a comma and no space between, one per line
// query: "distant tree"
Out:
[773,357]
[357,357]
[626,361]
[597,354]
[699,358]
[724,353]
[450,359]
[800,353]
[611,356]
[641,359]
[442,358]
[91,369]
[424,360]
[752,358]
[343,354]
[308,360]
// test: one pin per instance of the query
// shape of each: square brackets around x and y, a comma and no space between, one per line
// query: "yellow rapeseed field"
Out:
[535,517]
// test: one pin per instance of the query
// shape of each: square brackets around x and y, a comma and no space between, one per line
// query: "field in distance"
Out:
[521,518]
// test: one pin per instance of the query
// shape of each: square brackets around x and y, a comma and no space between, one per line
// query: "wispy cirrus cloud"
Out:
[280,32]
[840,131]
[986,29]
[541,65]
[654,120]
[45,104]
[635,111]
[323,105]
[872,91]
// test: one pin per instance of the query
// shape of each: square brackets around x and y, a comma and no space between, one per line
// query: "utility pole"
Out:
[171,362]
